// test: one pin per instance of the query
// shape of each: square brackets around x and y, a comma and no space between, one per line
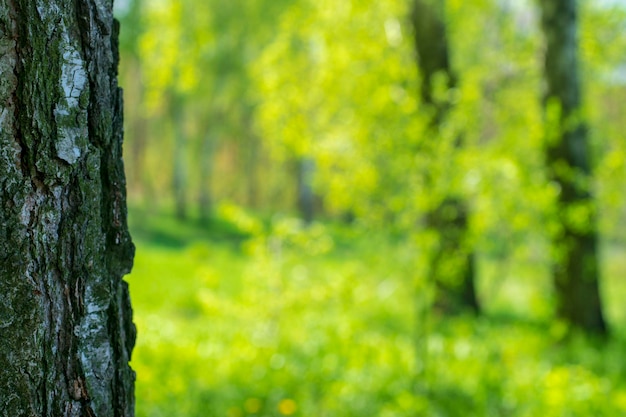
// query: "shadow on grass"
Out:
[163,229]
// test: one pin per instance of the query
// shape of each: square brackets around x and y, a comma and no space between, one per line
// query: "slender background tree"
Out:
[569,164]
[452,264]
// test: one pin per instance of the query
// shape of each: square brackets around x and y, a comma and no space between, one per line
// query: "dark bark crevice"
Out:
[64,216]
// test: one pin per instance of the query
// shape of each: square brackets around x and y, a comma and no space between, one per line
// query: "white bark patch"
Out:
[73,76]
[96,353]
[48,12]
[7,314]
[71,133]
[67,149]
[27,209]
[9,149]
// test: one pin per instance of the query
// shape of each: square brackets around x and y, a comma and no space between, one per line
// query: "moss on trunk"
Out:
[67,331]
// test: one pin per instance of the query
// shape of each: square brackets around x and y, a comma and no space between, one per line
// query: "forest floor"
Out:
[235,320]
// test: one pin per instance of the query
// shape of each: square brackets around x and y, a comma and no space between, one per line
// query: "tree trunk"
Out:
[305,169]
[252,157]
[65,317]
[575,270]
[179,174]
[139,134]
[452,263]
[205,171]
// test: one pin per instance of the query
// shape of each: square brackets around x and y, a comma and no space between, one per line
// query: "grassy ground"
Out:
[234,321]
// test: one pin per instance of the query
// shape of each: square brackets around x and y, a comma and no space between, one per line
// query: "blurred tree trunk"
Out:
[179,174]
[65,316]
[305,169]
[575,269]
[139,132]
[252,155]
[205,199]
[252,169]
[452,263]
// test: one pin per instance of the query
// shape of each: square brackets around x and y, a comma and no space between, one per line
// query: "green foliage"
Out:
[245,315]
[321,321]
[263,83]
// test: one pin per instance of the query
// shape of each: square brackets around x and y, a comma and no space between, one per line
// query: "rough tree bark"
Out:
[66,331]
[452,263]
[575,271]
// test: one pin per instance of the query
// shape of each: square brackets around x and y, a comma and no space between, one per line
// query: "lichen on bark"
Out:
[65,315]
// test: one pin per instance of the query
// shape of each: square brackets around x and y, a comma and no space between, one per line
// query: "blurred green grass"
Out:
[243,317]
